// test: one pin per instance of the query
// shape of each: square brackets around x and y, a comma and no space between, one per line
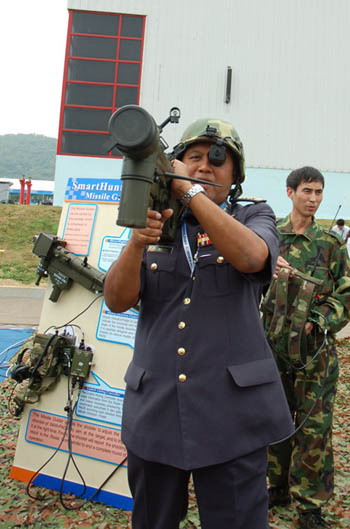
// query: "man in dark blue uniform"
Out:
[203,394]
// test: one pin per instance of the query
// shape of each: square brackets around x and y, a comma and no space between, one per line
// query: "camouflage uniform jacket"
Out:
[320,253]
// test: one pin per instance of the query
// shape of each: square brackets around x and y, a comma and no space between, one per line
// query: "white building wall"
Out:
[290,73]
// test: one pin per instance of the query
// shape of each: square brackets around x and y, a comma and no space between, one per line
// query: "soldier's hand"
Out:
[180,187]
[308,327]
[141,237]
[282,263]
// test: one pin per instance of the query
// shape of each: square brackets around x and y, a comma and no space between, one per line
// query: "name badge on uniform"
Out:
[160,248]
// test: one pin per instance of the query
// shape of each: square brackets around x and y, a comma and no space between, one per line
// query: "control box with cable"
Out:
[41,362]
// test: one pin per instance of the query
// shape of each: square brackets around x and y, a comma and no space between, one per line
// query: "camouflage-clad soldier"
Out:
[307,303]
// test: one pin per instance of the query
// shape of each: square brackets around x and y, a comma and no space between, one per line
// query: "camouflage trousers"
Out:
[304,463]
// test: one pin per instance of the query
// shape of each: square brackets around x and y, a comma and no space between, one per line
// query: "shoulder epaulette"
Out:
[331,233]
[250,199]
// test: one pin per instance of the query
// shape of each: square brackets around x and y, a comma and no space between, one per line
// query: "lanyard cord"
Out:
[187,248]
[186,244]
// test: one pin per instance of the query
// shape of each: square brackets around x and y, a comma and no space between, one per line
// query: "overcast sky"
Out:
[32,39]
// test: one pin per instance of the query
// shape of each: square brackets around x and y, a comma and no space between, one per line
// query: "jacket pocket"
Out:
[160,274]
[323,273]
[214,274]
[133,376]
[254,373]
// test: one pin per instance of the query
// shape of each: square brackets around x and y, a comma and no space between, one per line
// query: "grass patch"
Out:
[19,224]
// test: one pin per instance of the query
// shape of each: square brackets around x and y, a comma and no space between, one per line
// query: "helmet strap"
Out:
[235,193]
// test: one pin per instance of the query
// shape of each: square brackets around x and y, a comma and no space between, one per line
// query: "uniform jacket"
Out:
[319,253]
[203,387]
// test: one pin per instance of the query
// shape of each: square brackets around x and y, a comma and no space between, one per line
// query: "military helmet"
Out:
[214,131]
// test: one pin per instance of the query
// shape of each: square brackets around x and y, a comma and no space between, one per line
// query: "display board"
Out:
[88,225]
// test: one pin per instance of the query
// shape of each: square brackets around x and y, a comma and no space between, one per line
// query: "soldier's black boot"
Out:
[312,519]
[279,496]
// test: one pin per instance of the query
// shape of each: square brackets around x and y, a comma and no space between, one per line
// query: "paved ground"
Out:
[21,306]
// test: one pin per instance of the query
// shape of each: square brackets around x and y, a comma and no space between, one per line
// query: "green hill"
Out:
[31,155]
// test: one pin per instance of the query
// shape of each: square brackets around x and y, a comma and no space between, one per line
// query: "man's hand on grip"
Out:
[151,234]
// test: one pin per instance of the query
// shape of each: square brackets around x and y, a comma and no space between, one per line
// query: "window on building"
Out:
[102,73]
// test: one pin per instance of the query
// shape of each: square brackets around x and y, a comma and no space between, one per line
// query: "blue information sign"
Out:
[106,190]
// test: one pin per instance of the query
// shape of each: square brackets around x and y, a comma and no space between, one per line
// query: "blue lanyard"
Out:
[186,244]
[187,247]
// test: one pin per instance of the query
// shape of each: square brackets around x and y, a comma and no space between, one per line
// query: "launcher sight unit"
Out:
[146,171]
[64,267]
